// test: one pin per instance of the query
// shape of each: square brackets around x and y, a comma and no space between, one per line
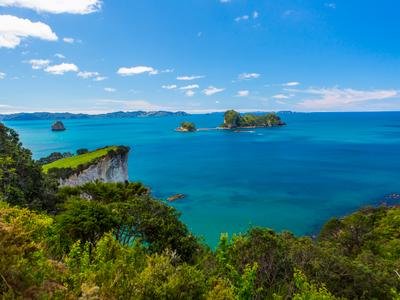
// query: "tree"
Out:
[82,151]
[85,220]
[231,119]
[21,179]
[133,213]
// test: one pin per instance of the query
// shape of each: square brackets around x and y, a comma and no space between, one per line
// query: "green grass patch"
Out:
[75,161]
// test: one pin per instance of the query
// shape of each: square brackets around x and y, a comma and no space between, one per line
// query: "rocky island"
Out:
[58,126]
[233,120]
[186,127]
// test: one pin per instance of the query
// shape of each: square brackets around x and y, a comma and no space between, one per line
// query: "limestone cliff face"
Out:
[111,168]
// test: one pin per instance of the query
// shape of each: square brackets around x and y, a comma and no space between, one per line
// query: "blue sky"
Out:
[199,55]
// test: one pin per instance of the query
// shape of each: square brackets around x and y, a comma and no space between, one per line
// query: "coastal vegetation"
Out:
[53,157]
[232,119]
[187,127]
[116,241]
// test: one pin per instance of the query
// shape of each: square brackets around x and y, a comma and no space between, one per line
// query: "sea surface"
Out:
[293,178]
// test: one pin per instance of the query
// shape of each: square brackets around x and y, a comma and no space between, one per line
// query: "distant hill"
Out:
[65,116]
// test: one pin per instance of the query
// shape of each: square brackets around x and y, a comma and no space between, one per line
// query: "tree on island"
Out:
[232,119]
[187,126]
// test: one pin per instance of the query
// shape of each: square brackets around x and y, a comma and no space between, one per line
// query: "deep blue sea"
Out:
[292,178]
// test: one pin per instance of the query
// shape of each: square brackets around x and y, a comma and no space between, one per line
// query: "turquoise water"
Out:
[295,177]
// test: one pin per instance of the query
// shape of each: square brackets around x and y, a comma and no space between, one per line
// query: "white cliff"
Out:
[110,168]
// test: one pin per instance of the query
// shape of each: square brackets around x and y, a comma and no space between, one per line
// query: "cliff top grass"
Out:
[75,161]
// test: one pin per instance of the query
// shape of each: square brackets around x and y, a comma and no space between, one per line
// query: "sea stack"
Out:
[58,126]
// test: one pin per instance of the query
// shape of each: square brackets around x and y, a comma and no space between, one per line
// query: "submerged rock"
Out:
[58,126]
[176,197]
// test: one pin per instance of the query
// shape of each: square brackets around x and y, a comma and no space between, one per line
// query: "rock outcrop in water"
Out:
[58,126]
[186,127]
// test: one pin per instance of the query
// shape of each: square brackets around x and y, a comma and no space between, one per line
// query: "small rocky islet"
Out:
[58,126]
[186,127]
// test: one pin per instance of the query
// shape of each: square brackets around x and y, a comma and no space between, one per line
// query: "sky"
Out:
[199,56]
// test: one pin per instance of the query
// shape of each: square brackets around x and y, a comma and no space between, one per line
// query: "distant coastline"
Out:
[69,116]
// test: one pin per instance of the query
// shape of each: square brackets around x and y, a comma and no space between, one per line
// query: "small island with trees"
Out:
[232,120]
[187,127]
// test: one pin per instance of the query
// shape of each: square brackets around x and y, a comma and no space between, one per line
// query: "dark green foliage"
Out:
[53,157]
[21,179]
[257,265]
[360,253]
[133,215]
[82,151]
[233,119]
[106,192]
[85,220]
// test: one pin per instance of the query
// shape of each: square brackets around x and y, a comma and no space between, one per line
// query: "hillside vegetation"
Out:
[116,241]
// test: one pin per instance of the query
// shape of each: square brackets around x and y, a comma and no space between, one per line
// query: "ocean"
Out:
[295,177]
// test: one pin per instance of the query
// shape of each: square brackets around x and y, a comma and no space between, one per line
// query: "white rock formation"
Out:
[107,169]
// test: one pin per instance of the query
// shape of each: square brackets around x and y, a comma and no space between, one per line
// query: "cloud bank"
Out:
[81,7]
[14,29]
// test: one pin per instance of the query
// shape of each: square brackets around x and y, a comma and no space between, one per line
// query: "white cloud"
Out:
[336,99]
[224,1]
[167,71]
[56,6]
[190,93]
[110,90]
[280,96]
[100,78]
[86,74]
[69,40]
[2,75]
[246,76]
[330,5]
[124,71]
[243,93]
[190,87]
[292,83]
[59,55]
[14,29]
[211,90]
[38,64]
[242,18]
[188,78]
[61,69]
[169,87]
[254,15]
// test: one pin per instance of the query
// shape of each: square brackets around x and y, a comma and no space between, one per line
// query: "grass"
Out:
[75,161]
